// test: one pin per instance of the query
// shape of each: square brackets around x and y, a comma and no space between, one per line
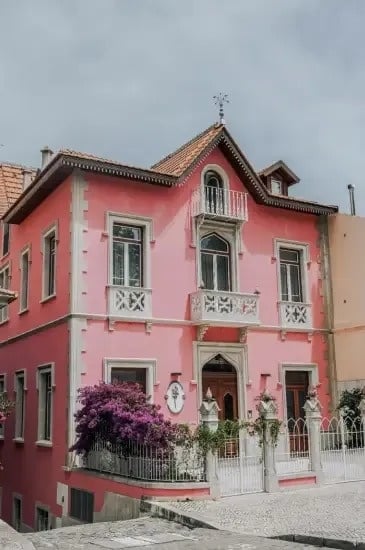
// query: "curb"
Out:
[169,513]
[322,541]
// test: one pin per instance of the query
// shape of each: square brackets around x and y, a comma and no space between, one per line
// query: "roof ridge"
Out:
[16,165]
[186,144]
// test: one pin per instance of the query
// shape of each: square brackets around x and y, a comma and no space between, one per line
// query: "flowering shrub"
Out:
[6,407]
[120,413]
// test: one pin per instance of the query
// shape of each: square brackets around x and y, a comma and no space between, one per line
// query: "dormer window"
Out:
[276,186]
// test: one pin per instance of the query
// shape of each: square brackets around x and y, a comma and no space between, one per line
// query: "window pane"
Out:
[223,279]
[214,243]
[118,263]
[134,260]
[284,282]
[130,375]
[287,255]
[295,283]
[6,235]
[24,282]
[47,406]
[126,232]
[207,271]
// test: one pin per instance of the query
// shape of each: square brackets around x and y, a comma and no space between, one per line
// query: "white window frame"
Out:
[145,224]
[46,235]
[229,234]
[3,382]
[303,248]
[279,183]
[4,311]
[23,308]
[3,254]
[19,498]
[150,365]
[313,378]
[20,422]
[41,370]
[219,170]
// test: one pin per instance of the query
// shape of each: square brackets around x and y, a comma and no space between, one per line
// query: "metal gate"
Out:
[240,466]
[342,449]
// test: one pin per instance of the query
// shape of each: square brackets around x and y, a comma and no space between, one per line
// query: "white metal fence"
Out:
[342,449]
[240,466]
[292,456]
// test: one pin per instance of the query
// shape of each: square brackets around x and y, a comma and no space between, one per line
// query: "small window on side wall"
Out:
[45,404]
[276,186]
[24,280]
[49,264]
[6,239]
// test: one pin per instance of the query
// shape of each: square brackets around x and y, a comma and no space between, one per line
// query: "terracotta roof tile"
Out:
[11,184]
[180,160]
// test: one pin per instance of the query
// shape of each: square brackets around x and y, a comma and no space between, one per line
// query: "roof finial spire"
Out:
[220,100]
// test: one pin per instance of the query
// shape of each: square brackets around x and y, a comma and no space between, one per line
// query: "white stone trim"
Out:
[219,170]
[53,228]
[150,365]
[305,262]
[78,230]
[146,225]
[77,367]
[4,311]
[230,233]
[42,369]
[17,435]
[236,354]
[311,368]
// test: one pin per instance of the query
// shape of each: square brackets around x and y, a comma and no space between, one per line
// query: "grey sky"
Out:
[133,79]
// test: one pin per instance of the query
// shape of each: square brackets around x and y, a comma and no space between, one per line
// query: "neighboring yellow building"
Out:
[346,238]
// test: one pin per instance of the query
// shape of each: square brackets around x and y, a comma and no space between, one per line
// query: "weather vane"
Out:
[220,100]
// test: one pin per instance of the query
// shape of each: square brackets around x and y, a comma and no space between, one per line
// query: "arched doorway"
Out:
[221,377]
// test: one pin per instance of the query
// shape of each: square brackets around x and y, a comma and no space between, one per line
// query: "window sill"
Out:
[48,298]
[22,311]
[44,443]
[18,440]
[5,321]
[4,256]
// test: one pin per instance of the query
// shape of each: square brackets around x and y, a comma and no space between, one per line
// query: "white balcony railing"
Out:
[227,307]
[129,302]
[219,203]
[295,315]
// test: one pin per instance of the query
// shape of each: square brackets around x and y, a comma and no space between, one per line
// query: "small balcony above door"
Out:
[219,203]
[295,315]
[222,308]
[129,302]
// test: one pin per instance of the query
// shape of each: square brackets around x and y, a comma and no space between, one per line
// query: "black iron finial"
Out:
[220,100]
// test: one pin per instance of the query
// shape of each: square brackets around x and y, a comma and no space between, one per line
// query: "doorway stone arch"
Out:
[234,354]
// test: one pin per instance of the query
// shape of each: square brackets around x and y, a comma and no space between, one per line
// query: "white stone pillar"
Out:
[313,416]
[209,416]
[267,409]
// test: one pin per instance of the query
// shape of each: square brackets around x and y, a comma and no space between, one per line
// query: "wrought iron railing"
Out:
[223,203]
[136,461]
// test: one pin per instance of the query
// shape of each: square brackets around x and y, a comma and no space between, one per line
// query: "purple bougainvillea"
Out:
[120,413]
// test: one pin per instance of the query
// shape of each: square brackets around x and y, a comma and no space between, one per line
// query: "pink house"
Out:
[198,272]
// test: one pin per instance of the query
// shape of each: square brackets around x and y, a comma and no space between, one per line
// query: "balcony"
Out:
[227,308]
[129,302]
[295,315]
[222,204]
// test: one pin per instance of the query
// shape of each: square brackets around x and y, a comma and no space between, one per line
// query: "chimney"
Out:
[27,177]
[351,189]
[46,155]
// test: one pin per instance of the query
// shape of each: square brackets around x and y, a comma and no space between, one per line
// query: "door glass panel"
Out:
[134,253]
[228,407]
[118,263]
[214,244]
[295,282]
[207,271]
[284,283]
[290,404]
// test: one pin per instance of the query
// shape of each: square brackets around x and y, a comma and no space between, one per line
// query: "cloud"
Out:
[132,80]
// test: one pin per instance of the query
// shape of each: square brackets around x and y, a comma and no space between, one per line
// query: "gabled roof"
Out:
[11,184]
[172,170]
[179,161]
[281,167]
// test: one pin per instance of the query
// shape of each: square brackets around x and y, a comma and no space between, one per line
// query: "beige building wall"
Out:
[347,259]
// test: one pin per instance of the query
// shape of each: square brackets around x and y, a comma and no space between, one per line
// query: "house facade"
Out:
[196,273]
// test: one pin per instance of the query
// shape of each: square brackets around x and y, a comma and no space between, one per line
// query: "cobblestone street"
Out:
[151,534]
[335,512]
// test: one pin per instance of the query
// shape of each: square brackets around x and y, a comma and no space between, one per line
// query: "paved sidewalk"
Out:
[151,533]
[335,512]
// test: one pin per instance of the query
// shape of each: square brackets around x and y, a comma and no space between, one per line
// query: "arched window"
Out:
[214,193]
[215,262]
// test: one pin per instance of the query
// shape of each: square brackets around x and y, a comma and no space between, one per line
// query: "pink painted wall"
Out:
[30,470]
[170,344]
[56,209]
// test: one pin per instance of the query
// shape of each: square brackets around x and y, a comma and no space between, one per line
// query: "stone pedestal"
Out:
[267,409]
[313,416]
[209,416]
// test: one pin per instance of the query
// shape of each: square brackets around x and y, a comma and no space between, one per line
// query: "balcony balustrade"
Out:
[295,315]
[129,302]
[223,204]
[229,308]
